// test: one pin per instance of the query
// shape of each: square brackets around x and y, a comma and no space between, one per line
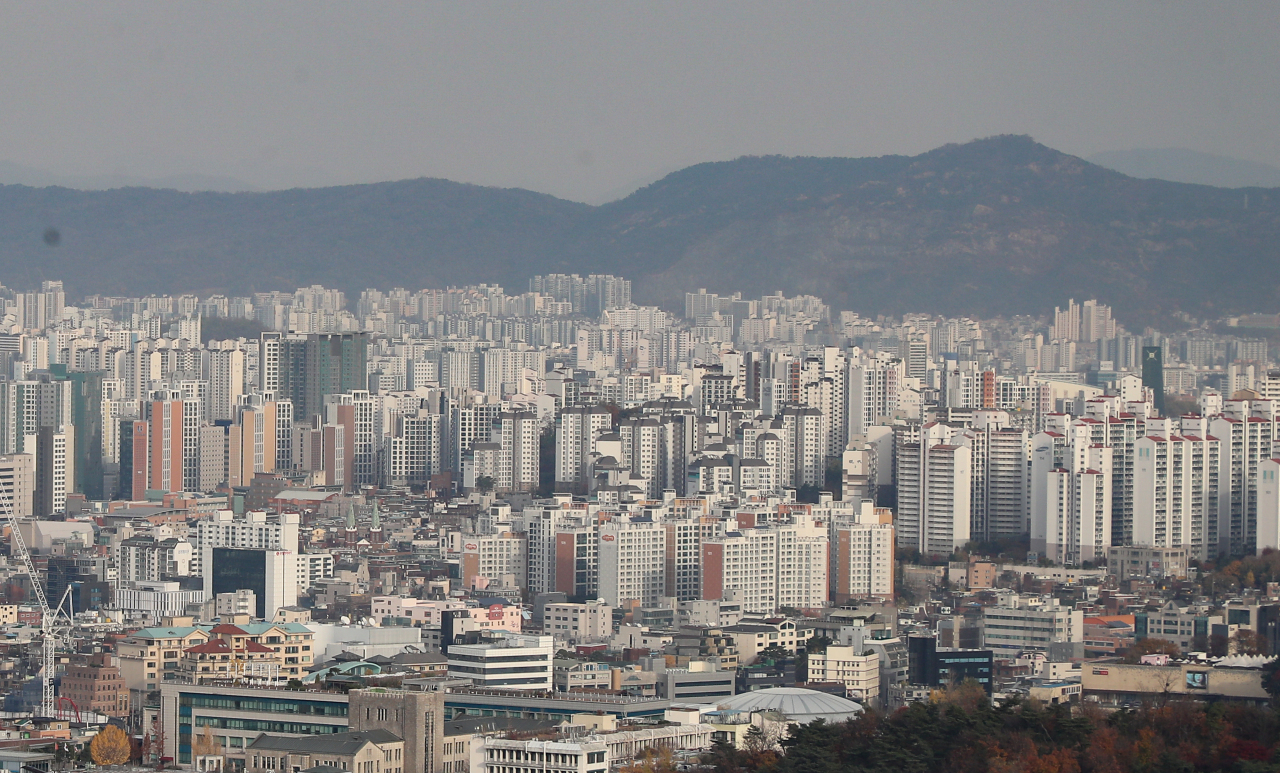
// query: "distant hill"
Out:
[1190,166]
[1001,225]
[18,174]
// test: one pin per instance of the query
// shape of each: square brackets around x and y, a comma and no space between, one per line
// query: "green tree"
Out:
[484,484]
[773,652]
[1271,678]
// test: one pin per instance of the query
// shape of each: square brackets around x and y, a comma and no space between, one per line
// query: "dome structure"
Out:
[796,704]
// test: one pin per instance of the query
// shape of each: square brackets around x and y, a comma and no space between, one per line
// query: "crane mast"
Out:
[49,628]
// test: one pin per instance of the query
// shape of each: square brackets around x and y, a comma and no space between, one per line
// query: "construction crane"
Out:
[52,625]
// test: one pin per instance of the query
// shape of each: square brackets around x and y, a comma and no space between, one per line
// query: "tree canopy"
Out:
[110,747]
[952,734]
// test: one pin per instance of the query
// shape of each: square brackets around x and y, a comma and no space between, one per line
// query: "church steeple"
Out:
[350,536]
[375,529]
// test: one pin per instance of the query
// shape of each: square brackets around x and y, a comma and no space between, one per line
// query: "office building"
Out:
[508,661]
[932,666]
[1028,624]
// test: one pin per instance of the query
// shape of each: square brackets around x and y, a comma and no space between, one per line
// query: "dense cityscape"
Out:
[465,530]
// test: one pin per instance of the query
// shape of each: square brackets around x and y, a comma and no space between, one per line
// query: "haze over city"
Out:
[589,101]
[640,388]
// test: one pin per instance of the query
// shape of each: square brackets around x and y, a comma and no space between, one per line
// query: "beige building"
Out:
[982,575]
[578,623]
[366,751]
[1114,684]
[18,483]
[152,656]
[175,652]
[859,672]
[417,717]
[1142,562]
[255,651]
[456,754]
[753,637]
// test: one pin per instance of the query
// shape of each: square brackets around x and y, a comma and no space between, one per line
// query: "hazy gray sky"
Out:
[585,99]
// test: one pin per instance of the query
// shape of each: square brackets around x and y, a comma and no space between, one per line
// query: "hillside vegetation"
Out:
[996,226]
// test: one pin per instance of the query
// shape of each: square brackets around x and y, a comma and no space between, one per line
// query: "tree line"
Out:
[959,731]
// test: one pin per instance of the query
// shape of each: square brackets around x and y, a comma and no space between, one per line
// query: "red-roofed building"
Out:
[232,653]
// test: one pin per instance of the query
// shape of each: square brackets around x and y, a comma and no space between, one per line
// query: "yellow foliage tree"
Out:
[110,747]
[205,745]
[651,761]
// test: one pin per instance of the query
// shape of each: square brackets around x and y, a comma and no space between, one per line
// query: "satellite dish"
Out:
[344,620]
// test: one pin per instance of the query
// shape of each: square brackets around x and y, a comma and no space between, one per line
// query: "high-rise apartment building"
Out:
[304,369]
[935,491]
[17,484]
[1176,493]
[803,563]
[632,561]
[576,433]
[251,446]
[745,560]
[516,434]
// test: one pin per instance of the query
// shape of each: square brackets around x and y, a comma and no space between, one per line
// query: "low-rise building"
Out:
[152,656]
[504,755]
[857,670]
[633,680]
[1188,627]
[367,751]
[1114,684]
[509,661]
[1138,562]
[1052,692]
[95,684]
[578,623]
[581,675]
[700,682]
[1033,624]
[931,666]
[238,715]
[752,638]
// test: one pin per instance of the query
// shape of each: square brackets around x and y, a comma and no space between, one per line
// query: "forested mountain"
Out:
[1000,225]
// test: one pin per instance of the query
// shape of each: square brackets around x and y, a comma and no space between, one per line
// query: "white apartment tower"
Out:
[935,492]
[1001,476]
[745,560]
[576,431]
[803,559]
[224,370]
[1268,504]
[862,557]
[516,435]
[1247,432]
[632,556]
[1175,493]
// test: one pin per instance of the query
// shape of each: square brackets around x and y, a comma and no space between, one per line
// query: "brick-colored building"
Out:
[96,685]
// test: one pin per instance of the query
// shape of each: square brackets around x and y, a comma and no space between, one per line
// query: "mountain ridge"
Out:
[1190,166]
[1001,225]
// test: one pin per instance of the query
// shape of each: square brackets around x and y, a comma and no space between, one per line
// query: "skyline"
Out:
[589,102]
